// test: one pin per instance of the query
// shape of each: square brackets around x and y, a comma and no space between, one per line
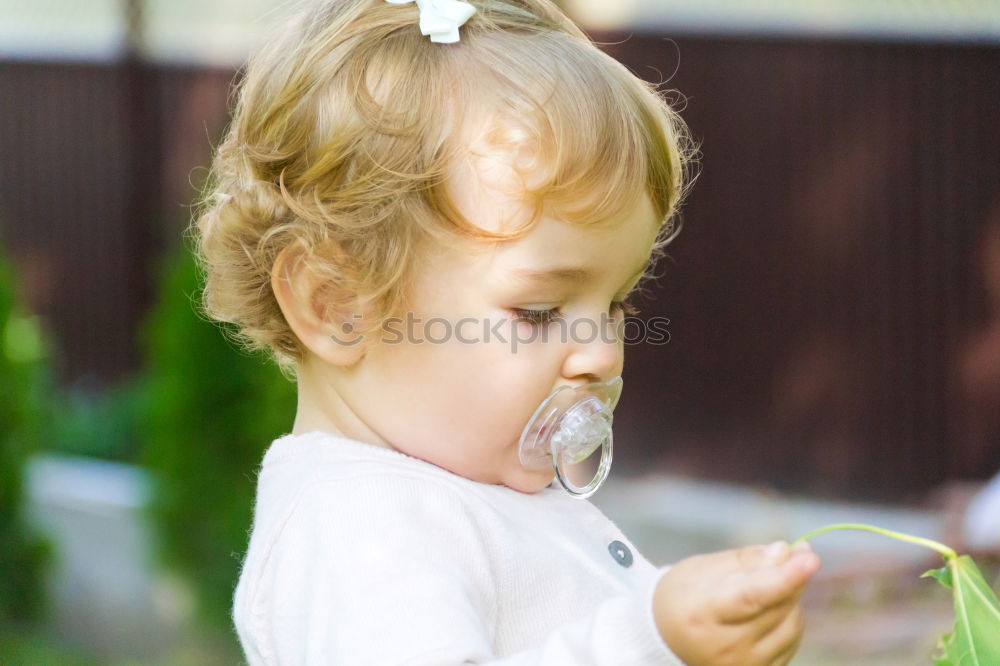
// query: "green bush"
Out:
[95,424]
[207,413]
[24,378]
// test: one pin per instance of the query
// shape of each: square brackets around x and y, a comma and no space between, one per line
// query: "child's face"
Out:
[461,400]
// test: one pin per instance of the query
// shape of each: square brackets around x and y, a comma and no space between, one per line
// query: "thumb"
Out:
[768,586]
[755,557]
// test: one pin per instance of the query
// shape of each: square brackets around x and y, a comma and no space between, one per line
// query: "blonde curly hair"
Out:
[349,121]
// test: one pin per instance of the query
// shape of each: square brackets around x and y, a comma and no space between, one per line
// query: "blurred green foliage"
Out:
[27,647]
[206,414]
[24,382]
[96,424]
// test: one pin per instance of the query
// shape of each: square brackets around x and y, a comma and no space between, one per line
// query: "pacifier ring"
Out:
[603,469]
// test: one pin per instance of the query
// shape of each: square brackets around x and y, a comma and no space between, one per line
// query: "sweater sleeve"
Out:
[392,572]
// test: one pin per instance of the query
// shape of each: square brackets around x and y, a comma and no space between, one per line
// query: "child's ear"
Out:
[307,302]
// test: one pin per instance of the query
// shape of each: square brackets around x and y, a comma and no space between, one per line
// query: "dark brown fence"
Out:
[834,297]
[97,163]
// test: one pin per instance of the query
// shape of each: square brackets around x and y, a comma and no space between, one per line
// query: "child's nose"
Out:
[593,356]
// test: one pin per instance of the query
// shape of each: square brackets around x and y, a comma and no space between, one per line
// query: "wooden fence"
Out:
[834,296]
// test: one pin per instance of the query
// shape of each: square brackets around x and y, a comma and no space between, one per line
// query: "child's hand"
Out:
[737,607]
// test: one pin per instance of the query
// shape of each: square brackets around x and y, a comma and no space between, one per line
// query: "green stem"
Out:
[947,552]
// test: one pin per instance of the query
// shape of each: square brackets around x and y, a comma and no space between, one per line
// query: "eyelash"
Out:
[538,317]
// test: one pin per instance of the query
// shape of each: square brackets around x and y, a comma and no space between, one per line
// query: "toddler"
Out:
[432,215]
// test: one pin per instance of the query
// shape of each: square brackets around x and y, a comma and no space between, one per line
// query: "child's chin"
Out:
[529,482]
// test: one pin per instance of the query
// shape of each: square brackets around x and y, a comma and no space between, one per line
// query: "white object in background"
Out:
[981,528]
[605,15]
[108,595]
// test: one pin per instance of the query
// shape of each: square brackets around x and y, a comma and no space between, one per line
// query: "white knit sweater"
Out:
[365,555]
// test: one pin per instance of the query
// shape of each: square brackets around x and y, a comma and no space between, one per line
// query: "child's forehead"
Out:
[488,181]
[488,184]
[552,249]
[500,165]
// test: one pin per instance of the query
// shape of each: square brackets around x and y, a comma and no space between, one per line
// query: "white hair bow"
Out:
[441,18]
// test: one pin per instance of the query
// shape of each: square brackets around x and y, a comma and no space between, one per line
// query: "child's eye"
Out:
[545,316]
[535,316]
[624,306]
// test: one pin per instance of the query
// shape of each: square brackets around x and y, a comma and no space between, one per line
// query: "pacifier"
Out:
[569,426]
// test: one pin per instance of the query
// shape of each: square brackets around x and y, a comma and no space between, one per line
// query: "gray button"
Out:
[621,553]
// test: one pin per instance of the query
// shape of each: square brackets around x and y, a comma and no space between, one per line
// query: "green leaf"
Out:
[943,575]
[975,638]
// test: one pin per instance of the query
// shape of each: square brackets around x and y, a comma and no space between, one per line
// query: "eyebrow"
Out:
[562,274]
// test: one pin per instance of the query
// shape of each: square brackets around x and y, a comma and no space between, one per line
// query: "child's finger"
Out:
[754,557]
[778,646]
[768,619]
[785,656]
[766,587]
